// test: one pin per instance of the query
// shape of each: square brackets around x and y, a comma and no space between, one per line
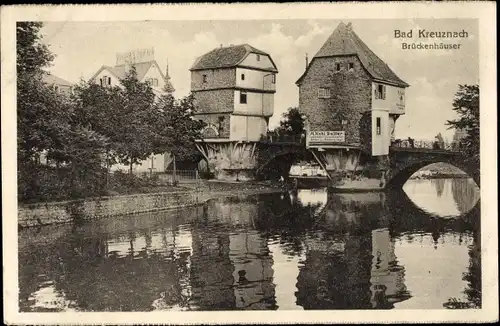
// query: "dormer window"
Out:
[242,76]
[56,88]
[337,67]
[258,57]
[273,79]
[204,78]
[350,66]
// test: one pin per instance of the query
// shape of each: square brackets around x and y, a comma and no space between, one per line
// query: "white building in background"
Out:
[147,70]
[145,65]
[60,85]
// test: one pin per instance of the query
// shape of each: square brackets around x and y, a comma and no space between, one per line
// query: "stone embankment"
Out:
[81,210]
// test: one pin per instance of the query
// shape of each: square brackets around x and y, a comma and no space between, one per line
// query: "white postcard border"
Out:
[484,11]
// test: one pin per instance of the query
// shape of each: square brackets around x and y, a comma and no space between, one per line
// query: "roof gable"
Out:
[50,79]
[227,57]
[141,68]
[344,41]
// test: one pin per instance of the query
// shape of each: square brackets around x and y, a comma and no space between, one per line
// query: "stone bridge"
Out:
[404,162]
[275,158]
[272,158]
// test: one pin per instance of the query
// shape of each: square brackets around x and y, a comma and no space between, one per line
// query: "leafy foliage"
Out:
[83,134]
[175,130]
[292,122]
[466,105]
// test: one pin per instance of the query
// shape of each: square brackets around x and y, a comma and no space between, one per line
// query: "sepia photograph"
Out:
[305,164]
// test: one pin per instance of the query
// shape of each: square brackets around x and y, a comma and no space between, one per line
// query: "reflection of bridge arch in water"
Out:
[394,209]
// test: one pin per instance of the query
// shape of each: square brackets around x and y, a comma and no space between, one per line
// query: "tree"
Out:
[47,122]
[466,105]
[174,126]
[37,111]
[292,122]
[134,113]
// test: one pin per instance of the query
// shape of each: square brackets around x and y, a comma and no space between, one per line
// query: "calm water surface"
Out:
[413,249]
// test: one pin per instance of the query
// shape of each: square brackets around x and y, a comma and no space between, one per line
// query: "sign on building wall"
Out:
[135,56]
[322,138]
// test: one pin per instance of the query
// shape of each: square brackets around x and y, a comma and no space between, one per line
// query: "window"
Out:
[350,65]
[204,78]
[378,126]
[100,81]
[337,66]
[273,79]
[220,129]
[109,80]
[56,88]
[242,76]
[258,57]
[380,92]
[324,93]
[243,97]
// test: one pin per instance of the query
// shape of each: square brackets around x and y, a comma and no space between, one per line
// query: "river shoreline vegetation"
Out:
[81,135]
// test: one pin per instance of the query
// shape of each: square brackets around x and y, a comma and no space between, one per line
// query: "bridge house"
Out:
[234,89]
[345,83]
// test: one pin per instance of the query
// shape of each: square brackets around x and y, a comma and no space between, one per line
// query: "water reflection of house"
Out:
[286,268]
[253,272]
[387,277]
[248,253]
[211,271]
[335,274]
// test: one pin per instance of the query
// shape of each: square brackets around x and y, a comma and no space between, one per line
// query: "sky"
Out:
[81,48]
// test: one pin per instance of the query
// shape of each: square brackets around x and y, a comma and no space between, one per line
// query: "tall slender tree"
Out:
[466,105]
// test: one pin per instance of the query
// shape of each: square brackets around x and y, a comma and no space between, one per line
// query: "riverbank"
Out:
[80,210]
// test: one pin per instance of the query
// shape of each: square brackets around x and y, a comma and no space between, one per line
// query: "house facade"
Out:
[59,85]
[348,88]
[234,90]
[146,67]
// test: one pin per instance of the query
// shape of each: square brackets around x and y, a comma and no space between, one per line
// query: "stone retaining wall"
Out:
[93,208]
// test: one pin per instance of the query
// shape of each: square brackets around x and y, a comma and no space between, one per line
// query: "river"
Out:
[416,248]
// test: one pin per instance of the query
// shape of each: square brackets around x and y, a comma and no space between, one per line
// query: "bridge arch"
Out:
[402,170]
[277,160]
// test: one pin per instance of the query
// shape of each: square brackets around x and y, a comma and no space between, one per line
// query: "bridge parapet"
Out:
[290,139]
[420,144]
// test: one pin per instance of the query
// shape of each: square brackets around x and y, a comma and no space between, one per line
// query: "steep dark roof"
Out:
[344,41]
[50,79]
[141,69]
[226,57]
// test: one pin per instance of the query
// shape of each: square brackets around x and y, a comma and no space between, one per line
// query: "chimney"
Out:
[221,45]
[307,61]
